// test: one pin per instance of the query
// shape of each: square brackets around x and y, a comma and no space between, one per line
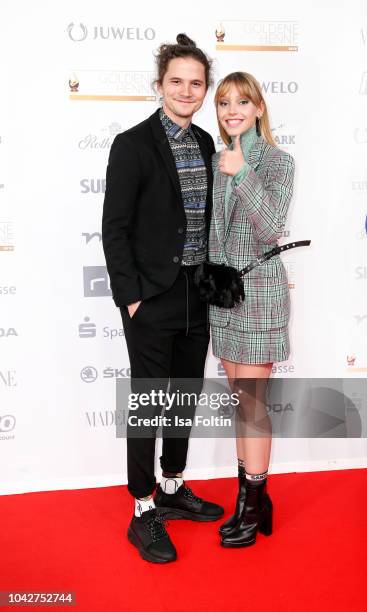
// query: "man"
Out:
[155,227]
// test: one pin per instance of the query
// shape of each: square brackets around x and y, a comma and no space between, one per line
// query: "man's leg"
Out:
[150,350]
[189,353]
[187,371]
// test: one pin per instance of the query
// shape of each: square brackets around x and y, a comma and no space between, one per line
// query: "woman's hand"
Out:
[230,162]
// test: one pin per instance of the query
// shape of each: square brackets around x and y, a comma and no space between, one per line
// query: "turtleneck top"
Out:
[247,141]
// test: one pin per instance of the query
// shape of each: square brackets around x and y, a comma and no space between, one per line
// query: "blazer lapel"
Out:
[164,149]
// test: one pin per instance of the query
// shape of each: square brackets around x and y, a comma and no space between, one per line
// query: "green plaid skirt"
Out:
[251,347]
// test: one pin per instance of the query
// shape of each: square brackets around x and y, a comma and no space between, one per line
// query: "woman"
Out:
[253,182]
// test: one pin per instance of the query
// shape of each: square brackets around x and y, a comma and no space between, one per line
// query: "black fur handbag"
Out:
[219,284]
[222,285]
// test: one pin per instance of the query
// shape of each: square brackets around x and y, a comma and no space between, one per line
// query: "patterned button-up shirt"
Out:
[193,181]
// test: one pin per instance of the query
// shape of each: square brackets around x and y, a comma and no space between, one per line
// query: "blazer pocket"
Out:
[281,304]
[218,317]
[266,305]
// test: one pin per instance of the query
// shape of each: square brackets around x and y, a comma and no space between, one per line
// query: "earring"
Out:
[258,130]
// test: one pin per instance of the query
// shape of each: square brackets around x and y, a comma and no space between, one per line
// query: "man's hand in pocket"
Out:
[132,308]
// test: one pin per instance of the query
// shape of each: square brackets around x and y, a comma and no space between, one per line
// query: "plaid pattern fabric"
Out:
[251,347]
[251,225]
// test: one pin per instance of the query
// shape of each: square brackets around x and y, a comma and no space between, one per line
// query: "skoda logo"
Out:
[77,33]
[89,374]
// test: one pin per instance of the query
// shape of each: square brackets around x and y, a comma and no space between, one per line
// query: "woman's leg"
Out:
[253,509]
[253,423]
[230,369]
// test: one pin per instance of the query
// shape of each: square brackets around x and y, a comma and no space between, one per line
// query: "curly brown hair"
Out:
[185,47]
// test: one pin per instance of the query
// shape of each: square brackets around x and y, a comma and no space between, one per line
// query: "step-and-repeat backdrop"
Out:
[75,74]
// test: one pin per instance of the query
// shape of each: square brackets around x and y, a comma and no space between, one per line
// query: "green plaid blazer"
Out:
[249,226]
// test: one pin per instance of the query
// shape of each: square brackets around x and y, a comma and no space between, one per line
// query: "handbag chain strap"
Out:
[275,251]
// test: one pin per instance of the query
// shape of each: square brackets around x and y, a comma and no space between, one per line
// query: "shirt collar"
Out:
[172,129]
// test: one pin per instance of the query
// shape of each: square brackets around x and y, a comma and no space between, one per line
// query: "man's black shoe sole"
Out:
[143,553]
[175,513]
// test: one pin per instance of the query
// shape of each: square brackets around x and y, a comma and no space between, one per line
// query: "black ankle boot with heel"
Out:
[240,503]
[257,515]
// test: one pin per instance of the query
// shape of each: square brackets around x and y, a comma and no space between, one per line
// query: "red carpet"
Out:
[75,541]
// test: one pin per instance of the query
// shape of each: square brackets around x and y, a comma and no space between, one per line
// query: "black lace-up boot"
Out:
[148,533]
[185,504]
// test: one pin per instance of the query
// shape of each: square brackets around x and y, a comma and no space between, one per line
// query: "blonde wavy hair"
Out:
[248,87]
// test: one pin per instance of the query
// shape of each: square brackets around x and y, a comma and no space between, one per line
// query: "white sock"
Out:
[256,477]
[143,505]
[171,484]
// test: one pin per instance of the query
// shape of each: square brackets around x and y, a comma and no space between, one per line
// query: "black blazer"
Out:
[144,221]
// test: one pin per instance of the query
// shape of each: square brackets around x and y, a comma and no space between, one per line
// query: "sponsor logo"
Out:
[282,137]
[257,35]
[113,85]
[351,360]
[276,369]
[89,374]
[101,141]
[6,236]
[8,378]
[361,273]
[74,83]
[8,290]
[7,423]
[283,368]
[5,332]
[220,33]
[279,87]
[79,32]
[97,236]
[116,373]
[101,419]
[87,329]
[290,267]
[93,185]
[96,281]
[357,356]
[279,408]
